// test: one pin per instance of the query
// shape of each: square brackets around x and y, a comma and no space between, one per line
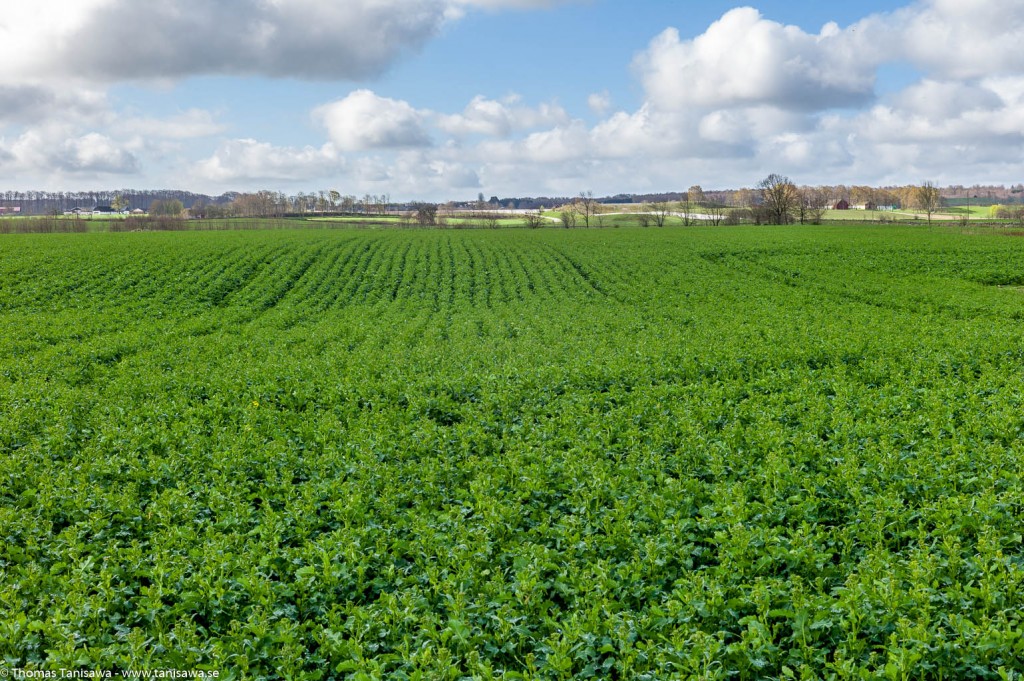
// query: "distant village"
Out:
[103,211]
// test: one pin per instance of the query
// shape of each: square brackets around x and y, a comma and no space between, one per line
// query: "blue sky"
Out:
[442,99]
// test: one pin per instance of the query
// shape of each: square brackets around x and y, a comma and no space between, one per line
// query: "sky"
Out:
[445,99]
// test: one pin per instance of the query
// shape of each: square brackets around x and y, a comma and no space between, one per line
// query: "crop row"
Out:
[538,454]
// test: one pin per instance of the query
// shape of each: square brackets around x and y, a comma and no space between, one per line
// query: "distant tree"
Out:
[534,220]
[1011,213]
[660,212]
[695,195]
[586,207]
[568,216]
[167,208]
[744,198]
[646,215]
[715,213]
[861,195]
[927,198]
[335,196]
[426,214]
[812,204]
[779,199]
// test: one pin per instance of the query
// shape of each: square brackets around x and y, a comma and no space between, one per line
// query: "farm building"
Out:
[842,204]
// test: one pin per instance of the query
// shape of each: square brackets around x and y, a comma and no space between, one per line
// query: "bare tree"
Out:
[927,198]
[646,215]
[779,199]
[685,211]
[811,205]
[715,213]
[660,212]
[586,206]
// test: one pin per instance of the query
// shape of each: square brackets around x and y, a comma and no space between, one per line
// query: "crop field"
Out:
[733,453]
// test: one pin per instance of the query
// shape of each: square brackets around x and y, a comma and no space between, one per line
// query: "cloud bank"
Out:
[746,96]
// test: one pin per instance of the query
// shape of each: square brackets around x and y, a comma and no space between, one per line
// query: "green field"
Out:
[750,453]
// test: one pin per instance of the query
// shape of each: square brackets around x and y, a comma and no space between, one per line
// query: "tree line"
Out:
[806,205]
[778,201]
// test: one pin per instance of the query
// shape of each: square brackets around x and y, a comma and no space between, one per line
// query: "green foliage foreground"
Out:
[737,453]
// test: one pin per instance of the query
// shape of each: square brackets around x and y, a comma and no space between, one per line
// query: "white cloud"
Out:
[746,97]
[600,102]
[95,152]
[364,120]
[559,144]
[55,149]
[27,103]
[247,160]
[113,40]
[189,124]
[746,60]
[421,174]
[962,39]
[489,117]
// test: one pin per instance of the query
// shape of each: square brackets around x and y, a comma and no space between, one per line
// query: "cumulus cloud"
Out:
[363,120]
[51,150]
[423,174]
[747,96]
[96,153]
[29,103]
[747,60]
[962,39]
[247,160]
[494,118]
[112,40]
[123,39]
